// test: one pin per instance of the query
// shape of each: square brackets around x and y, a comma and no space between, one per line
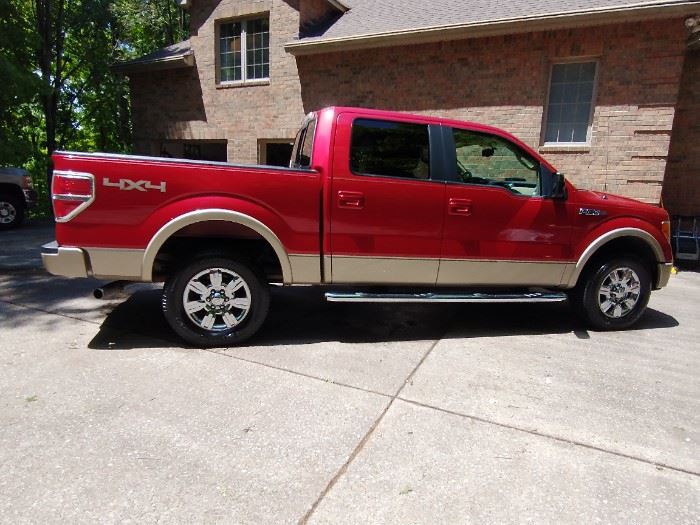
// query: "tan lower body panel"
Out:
[116,263]
[66,262]
[306,269]
[383,270]
[664,270]
[449,272]
[454,272]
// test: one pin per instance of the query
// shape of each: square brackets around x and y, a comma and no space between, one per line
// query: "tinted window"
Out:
[490,160]
[390,149]
[304,146]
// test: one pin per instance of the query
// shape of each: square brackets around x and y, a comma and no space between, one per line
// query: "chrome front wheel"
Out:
[619,293]
[612,295]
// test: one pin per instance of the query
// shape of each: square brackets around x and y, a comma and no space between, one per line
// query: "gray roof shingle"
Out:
[370,17]
[170,57]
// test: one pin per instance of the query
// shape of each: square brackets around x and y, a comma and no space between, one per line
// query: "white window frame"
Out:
[545,113]
[244,51]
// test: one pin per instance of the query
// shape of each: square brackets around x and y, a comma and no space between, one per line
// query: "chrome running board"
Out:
[528,297]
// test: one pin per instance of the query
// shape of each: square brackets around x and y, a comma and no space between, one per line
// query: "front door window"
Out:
[492,161]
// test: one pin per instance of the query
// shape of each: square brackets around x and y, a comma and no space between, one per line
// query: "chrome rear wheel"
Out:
[216,301]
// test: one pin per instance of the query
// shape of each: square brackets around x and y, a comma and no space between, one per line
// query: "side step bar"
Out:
[529,297]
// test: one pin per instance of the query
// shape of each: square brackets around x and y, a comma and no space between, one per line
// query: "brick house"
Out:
[607,90]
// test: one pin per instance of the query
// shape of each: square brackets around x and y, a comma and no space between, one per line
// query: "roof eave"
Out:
[493,28]
[340,6]
[175,62]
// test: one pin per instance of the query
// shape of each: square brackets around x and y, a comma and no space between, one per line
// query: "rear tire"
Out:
[613,295]
[11,211]
[216,301]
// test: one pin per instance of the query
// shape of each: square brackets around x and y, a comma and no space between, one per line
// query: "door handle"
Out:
[351,199]
[459,207]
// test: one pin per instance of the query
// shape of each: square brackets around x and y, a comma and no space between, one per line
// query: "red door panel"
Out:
[500,225]
[382,227]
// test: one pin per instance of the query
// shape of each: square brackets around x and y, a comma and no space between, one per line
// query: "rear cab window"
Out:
[304,145]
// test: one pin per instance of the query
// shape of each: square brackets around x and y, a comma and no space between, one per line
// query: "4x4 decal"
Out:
[127,185]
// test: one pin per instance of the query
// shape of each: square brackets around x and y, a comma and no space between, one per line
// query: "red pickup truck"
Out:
[377,207]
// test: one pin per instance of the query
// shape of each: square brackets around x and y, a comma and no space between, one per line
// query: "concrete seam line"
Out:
[552,437]
[50,313]
[294,372]
[361,445]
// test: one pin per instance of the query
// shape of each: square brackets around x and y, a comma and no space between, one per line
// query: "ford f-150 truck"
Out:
[377,207]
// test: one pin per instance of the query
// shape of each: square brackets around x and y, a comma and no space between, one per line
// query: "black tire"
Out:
[222,334]
[11,211]
[603,309]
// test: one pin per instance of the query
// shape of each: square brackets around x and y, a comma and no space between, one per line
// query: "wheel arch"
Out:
[14,190]
[641,243]
[168,230]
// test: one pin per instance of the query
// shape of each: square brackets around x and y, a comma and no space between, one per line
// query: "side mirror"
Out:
[558,191]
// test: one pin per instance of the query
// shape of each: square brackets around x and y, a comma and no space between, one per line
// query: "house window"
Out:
[275,152]
[570,103]
[244,50]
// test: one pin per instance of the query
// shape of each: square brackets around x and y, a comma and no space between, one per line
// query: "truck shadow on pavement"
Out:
[301,316]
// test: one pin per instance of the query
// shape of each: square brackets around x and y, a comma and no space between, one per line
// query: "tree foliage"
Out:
[59,90]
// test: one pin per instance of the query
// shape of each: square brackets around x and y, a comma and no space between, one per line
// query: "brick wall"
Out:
[188,104]
[503,81]
[682,181]
[499,80]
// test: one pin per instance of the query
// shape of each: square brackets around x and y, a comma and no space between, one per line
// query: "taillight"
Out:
[71,193]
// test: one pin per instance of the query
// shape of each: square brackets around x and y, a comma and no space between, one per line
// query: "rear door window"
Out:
[390,149]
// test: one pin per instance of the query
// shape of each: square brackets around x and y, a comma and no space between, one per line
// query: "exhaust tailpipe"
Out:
[110,291]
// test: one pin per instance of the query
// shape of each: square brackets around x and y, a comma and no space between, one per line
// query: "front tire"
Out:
[11,211]
[614,294]
[215,301]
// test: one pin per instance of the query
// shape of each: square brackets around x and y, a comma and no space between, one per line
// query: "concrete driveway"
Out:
[342,414]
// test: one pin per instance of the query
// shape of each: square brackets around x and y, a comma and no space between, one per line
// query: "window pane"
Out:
[390,149]
[558,73]
[556,95]
[492,161]
[582,113]
[572,72]
[554,114]
[570,101]
[258,49]
[580,132]
[230,52]
[585,92]
[570,92]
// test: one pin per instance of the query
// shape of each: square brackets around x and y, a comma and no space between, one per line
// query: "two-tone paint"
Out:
[328,225]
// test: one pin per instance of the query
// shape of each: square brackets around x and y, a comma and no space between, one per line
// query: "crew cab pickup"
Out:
[375,206]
